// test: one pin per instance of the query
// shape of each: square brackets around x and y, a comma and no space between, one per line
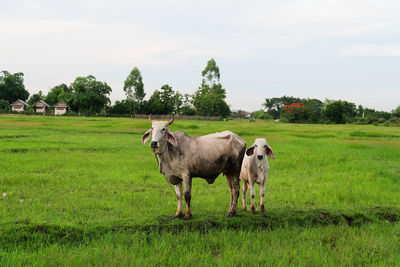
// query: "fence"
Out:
[178,117]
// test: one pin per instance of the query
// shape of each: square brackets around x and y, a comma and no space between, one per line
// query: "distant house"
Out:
[19,106]
[41,106]
[240,113]
[60,108]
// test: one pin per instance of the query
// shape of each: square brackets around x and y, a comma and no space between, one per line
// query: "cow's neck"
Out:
[162,157]
[167,159]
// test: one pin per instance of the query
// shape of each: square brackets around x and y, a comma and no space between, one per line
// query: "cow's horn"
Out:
[171,120]
[150,119]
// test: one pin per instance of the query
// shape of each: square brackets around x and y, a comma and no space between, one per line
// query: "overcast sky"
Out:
[336,49]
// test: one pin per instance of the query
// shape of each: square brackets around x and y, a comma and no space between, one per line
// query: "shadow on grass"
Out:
[26,235]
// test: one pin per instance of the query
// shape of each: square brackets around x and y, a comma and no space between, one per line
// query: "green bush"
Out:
[4,106]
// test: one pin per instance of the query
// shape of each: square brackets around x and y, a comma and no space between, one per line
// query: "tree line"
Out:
[305,110]
[88,96]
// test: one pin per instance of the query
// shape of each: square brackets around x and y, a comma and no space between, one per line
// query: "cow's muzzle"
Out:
[260,157]
[154,144]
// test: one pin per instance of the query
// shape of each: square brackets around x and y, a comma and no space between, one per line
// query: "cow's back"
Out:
[209,155]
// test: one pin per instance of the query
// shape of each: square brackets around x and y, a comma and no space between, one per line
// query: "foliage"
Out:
[165,101]
[89,95]
[312,110]
[4,106]
[36,97]
[339,111]
[274,105]
[261,114]
[134,88]
[332,111]
[208,100]
[12,87]
[293,112]
[59,93]
[396,112]
[121,107]
[187,106]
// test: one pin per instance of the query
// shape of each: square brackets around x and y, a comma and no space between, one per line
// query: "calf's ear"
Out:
[171,138]
[250,150]
[270,153]
[146,136]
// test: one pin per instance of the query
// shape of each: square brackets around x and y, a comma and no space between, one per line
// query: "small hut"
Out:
[60,108]
[19,106]
[41,106]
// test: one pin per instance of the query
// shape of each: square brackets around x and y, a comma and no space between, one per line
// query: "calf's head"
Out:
[260,148]
[160,134]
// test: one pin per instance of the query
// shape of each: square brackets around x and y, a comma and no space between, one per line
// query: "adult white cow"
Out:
[182,157]
[255,170]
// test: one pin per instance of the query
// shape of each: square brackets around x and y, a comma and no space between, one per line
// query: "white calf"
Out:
[255,170]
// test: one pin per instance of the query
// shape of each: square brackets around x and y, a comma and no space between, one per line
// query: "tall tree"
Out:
[133,86]
[12,86]
[89,95]
[165,101]
[155,104]
[209,99]
[58,93]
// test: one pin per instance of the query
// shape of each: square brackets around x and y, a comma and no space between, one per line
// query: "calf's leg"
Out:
[244,195]
[262,193]
[252,196]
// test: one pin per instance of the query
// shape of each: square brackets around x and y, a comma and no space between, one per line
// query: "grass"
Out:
[85,191]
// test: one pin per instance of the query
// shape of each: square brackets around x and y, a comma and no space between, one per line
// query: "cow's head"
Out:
[260,148]
[160,134]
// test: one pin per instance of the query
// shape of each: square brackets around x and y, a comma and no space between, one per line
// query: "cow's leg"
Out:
[252,195]
[229,182]
[178,190]
[262,193]
[236,192]
[234,186]
[188,188]
[244,195]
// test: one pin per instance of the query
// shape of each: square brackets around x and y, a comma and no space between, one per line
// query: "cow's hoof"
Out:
[187,217]
[230,214]
[253,210]
[262,209]
[178,215]
[244,209]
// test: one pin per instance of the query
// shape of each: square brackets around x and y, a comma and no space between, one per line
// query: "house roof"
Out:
[20,103]
[61,104]
[41,103]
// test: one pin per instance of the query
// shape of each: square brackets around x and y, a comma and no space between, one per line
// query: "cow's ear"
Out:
[171,138]
[270,153]
[250,150]
[146,136]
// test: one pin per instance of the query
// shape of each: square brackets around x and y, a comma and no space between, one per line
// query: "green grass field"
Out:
[85,191]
